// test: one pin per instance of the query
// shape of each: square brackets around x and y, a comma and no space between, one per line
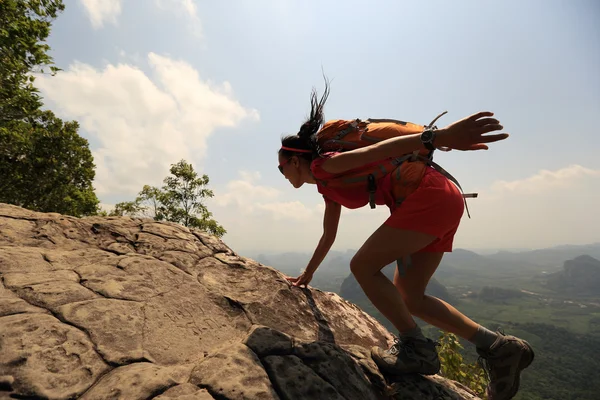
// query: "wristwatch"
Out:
[427,138]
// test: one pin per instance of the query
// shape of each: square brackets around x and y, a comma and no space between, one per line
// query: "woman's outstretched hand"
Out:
[470,133]
[303,279]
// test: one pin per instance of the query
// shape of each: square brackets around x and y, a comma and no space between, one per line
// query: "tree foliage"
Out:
[454,366]
[180,200]
[44,164]
[24,26]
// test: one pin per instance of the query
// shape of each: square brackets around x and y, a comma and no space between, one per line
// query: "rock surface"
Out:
[126,308]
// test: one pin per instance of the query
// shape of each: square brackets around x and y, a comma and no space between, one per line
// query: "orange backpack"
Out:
[407,170]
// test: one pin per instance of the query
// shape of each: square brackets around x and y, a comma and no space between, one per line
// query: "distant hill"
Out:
[468,260]
[291,263]
[467,268]
[553,256]
[580,276]
[459,268]
[494,294]
[459,259]
[352,291]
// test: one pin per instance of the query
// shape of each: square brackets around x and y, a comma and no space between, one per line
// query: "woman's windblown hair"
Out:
[305,138]
[316,119]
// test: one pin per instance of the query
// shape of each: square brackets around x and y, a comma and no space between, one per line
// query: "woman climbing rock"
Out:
[386,162]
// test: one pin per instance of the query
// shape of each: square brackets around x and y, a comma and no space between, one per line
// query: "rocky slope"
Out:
[122,308]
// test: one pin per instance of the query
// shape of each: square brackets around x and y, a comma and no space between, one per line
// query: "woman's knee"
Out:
[414,303]
[357,266]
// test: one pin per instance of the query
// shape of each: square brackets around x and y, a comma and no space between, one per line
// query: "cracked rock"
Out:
[116,326]
[131,308]
[137,381]
[47,358]
[234,372]
[185,391]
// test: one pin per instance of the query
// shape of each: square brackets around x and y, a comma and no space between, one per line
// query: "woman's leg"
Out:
[407,298]
[412,353]
[431,309]
[386,245]
[429,218]
[506,356]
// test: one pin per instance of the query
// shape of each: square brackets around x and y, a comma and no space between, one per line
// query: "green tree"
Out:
[24,26]
[455,368]
[147,204]
[180,200]
[44,164]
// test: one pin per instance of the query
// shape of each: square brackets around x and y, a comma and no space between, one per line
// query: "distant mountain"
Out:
[328,277]
[459,259]
[580,276]
[352,291]
[553,256]
[459,268]
[290,263]
[463,254]
[494,294]
[336,262]
[467,268]
[466,259]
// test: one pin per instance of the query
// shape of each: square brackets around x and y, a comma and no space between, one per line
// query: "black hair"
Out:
[305,138]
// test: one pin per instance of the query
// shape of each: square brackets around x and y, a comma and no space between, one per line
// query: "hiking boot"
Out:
[503,363]
[408,356]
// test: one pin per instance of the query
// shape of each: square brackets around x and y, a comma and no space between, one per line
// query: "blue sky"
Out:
[217,83]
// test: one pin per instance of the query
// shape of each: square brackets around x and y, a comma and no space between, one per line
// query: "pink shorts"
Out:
[435,208]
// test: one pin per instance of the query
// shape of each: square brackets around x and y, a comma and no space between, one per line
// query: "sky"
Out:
[218,83]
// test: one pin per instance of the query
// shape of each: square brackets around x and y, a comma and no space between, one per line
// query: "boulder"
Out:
[129,308]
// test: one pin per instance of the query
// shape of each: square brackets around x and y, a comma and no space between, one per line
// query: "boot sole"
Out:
[430,371]
[387,370]
[396,373]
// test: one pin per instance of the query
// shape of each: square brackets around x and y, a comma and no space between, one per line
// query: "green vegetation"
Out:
[180,200]
[565,365]
[456,368]
[44,164]
[24,27]
[559,313]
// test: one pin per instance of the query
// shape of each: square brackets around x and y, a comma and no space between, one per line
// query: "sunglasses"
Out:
[280,166]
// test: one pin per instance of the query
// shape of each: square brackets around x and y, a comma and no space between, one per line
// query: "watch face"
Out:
[427,136]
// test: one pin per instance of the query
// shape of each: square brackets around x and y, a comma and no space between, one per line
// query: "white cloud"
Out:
[187,6]
[247,199]
[546,209]
[546,180]
[257,216]
[142,125]
[287,211]
[106,207]
[243,193]
[101,11]
[185,9]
